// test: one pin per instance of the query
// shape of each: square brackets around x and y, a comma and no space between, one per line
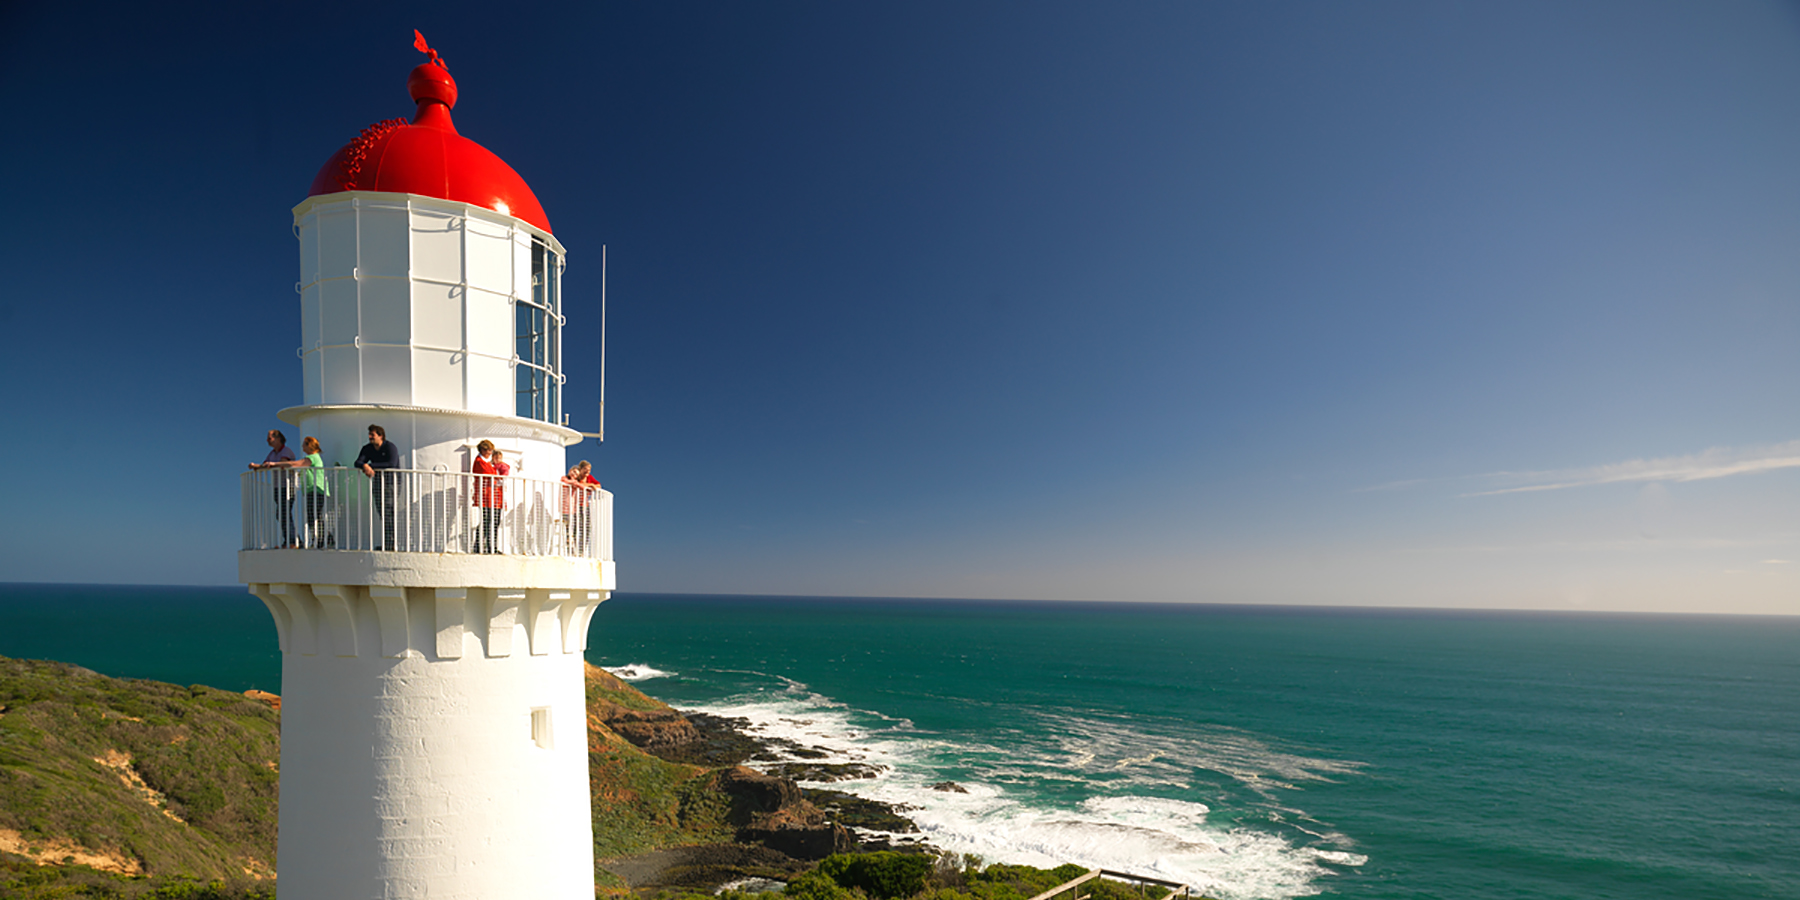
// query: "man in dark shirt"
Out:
[379,454]
[279,454]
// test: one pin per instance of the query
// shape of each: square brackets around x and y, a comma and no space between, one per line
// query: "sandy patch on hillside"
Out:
[120,763]
[56,850]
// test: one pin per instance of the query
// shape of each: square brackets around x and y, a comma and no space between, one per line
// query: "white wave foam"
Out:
[1005,813]
[1144,757]
[815,722]
[1129,834]
[637,672]
[751,886]
[1338,857]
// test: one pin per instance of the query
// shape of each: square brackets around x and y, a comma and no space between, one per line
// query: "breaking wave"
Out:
[637,672]
[1069,787]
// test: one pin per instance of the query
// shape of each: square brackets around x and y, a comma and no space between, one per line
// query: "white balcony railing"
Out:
[409,511]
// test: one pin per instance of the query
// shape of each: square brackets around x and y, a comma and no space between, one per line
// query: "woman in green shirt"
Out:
[314,488]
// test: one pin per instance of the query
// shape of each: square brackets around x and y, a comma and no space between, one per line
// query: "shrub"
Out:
[816,885]
[886,875]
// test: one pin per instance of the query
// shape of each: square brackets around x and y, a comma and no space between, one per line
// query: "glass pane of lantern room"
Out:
[524,389]
[553,286]
[540,272]
[552,283]
[540,337]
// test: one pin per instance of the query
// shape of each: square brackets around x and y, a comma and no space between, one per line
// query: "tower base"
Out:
[434,741]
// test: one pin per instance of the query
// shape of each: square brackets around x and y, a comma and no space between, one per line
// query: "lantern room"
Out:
[418,301]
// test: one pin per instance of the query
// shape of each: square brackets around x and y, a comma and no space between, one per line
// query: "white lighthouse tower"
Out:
[431,620]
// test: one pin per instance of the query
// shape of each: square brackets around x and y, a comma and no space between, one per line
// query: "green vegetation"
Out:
[883,876]
[913,876]
[642,803]
[605,687]
[28,881]
[132,789]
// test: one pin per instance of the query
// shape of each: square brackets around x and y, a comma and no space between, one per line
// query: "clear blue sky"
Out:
[1423,304]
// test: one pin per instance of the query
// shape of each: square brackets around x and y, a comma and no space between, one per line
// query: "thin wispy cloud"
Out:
[1611,546]
[1395,485]
[1718,462]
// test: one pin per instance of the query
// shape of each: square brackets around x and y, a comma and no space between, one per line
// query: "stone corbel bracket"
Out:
[357,620]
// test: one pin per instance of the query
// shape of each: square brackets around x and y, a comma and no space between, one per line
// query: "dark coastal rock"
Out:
[803,842]
[774,812]
[787,758]
[754,793]
[779,749]
[949,787]
[652,730]
[882,842]
[766,808]
[722,742]
[861,812]
[825,772]
[666,733]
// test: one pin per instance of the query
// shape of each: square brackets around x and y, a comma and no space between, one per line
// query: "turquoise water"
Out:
[1252,752]
[216,636]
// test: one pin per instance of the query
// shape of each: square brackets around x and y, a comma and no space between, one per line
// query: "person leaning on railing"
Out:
[380,453]
[484,471]
[578,489]
[280,455]
[501,470]
[313,488]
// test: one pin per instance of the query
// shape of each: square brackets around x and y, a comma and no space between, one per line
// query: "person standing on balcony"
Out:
[578,488]
[279,457]
[380,453]
[313,488]
[501,470]
[485,475]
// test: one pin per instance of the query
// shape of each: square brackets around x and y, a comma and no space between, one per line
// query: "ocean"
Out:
[1252,752]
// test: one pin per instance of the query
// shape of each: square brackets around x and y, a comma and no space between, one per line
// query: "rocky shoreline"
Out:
[781,827]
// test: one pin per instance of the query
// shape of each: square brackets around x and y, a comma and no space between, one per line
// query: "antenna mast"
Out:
[600,434]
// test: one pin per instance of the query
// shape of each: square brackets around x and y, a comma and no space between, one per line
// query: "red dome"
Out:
[428,157]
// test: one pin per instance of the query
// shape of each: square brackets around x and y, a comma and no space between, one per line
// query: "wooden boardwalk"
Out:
[1073,883]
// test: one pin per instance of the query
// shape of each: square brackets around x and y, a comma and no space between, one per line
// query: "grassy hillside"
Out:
[136,778]
[139,789]
[643,802]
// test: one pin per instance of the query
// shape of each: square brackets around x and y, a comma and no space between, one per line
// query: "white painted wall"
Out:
[409,766]
[433,440]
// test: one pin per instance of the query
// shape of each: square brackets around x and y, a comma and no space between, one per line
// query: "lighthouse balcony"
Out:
[410,511]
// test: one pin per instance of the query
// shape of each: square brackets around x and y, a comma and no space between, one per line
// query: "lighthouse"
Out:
[431,615]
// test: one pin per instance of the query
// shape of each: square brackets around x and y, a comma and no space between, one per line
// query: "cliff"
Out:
[660,781]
